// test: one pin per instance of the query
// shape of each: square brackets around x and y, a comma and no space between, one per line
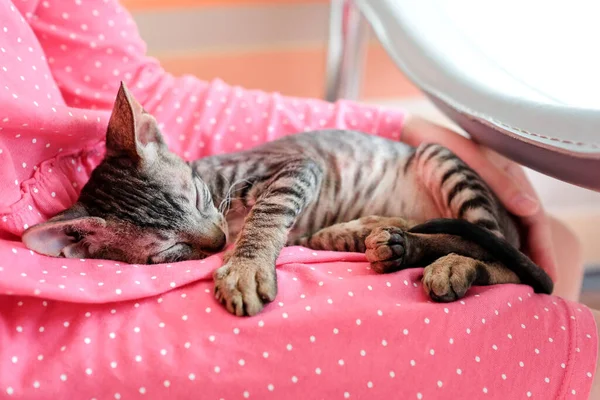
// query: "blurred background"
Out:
[280,45]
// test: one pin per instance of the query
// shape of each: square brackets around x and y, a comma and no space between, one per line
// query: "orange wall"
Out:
[271,71]
[294,67]
[135,5]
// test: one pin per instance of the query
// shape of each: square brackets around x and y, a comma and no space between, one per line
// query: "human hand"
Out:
[505,178]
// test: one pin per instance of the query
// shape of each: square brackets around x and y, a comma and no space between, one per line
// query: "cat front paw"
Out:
[385,249]
[244,287]
[449,277]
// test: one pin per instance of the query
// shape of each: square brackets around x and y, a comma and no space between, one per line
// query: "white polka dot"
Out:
[528,394]
[236,331]
[318,371]
[419,396]
[242,362]
[112,335]
[63,377]
[138,358]
[477,359]
[211,338]
[246,394]
[521,364]
[405,331]
[88,371]
[289,347]
[413,363]
[9,391]
[426,320]
[485,390]
[167,383]
[265,354]
[87,340]
[346,395]
[14,359]
[187,345]
[358,322]
[36,384]
[459,371]
[573,391]
[294,379]
[113,364]
[363,353]
[191,377]
[504,376]
[432,352]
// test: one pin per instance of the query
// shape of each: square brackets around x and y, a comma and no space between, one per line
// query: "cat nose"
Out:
[218,242]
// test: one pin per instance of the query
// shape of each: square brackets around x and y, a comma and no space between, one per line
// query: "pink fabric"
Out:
[104,330]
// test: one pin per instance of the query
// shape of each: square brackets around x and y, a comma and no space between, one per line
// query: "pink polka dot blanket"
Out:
[96,329]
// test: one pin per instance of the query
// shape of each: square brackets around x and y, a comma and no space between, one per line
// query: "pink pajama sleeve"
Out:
[96,329]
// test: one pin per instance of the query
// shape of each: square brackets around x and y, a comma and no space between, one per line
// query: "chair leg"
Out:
[348,36]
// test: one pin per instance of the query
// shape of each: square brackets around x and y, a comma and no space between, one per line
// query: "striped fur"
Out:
[143,204]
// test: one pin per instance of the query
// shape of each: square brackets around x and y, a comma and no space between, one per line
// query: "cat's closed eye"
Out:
[177,252]
[203,196]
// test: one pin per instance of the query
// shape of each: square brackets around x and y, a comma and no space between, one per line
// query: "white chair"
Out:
[522,77]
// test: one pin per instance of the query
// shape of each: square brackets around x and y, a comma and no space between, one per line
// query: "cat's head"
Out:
[142,204]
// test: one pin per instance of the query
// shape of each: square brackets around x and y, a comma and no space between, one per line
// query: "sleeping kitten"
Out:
[329,190]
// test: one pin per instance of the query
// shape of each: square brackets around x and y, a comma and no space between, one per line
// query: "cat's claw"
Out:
[448,278]
[244,287]
[386,248]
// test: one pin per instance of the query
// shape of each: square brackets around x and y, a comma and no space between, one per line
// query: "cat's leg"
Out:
[390,249]
[349,236]
[456,263]
[247,281]
[453,263]
[459,192]
[449,277]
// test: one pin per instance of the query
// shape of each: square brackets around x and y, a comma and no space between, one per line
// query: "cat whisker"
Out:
[226,202]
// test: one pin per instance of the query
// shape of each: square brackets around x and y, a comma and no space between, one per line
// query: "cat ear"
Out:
[58,236]
[131,130]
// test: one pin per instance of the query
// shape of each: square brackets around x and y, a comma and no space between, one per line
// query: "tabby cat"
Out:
[329,190]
